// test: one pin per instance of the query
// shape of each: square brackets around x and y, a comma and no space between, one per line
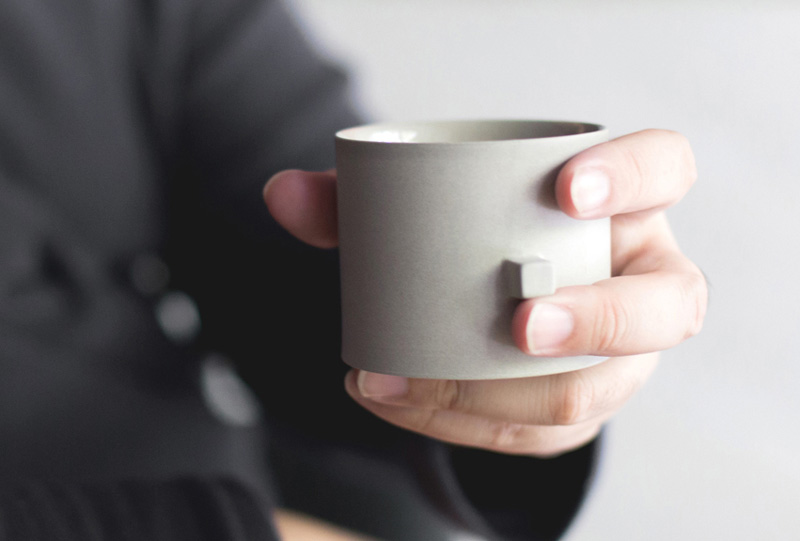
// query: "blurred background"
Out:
[709,449]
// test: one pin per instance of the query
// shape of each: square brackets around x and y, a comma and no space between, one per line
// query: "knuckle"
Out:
[639,170]
[448,395]
[611,326]
[573,401]
[505,436]
[674,177]
[687,159]
[684,166]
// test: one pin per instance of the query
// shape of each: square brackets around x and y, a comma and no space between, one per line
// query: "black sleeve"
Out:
[513,498]
[178,510]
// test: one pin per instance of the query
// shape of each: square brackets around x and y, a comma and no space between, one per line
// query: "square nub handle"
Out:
[528,278]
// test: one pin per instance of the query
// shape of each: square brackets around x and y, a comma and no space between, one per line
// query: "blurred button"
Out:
[178,317]
[226,395]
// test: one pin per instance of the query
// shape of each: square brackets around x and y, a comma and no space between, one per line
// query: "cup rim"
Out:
[403,132]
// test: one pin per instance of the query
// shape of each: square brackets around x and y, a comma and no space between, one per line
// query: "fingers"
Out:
[304,203]
[627,315]
[647,170]
[659,297]
[541,416]
[493,435]
[557,400]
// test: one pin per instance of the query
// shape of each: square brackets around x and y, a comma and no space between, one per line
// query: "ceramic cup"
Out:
[443,228]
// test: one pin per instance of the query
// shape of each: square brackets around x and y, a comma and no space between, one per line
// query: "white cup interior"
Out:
[464,131]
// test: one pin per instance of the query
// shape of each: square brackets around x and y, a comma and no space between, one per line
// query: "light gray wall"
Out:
[709,449]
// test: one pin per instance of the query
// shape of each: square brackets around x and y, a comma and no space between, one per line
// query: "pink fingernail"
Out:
[590,189]
[548,326]
[381,386]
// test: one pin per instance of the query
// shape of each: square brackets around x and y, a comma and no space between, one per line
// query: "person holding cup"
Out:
[135,141]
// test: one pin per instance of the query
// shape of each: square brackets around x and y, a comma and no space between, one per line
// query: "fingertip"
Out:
[543,327]
[519,326]
[304,203]
[275,179]
[644,171]
[583,190]
[563,198]
[350,383]
[590,190]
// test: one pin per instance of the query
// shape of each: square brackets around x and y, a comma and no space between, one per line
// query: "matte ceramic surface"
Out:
[444,227]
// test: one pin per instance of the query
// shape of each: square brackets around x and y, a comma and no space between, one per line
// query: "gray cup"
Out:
[443,228]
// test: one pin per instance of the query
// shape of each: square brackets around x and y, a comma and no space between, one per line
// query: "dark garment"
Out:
[181,509]
[136,132]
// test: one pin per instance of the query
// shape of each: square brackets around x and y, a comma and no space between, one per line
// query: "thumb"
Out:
[304,203]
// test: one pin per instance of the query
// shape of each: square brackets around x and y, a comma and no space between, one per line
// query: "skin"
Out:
[655,299]
[299,527]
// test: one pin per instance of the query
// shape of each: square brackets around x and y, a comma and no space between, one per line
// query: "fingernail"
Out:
[548,326]
[381,386]
[590,189]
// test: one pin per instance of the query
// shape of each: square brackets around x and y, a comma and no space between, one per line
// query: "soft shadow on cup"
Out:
[443,228]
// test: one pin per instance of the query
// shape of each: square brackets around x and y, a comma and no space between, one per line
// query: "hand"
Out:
[655,299]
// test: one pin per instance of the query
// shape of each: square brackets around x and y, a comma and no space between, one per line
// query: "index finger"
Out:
[644,171]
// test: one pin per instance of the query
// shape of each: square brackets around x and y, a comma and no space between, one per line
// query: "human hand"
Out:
[655,299]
